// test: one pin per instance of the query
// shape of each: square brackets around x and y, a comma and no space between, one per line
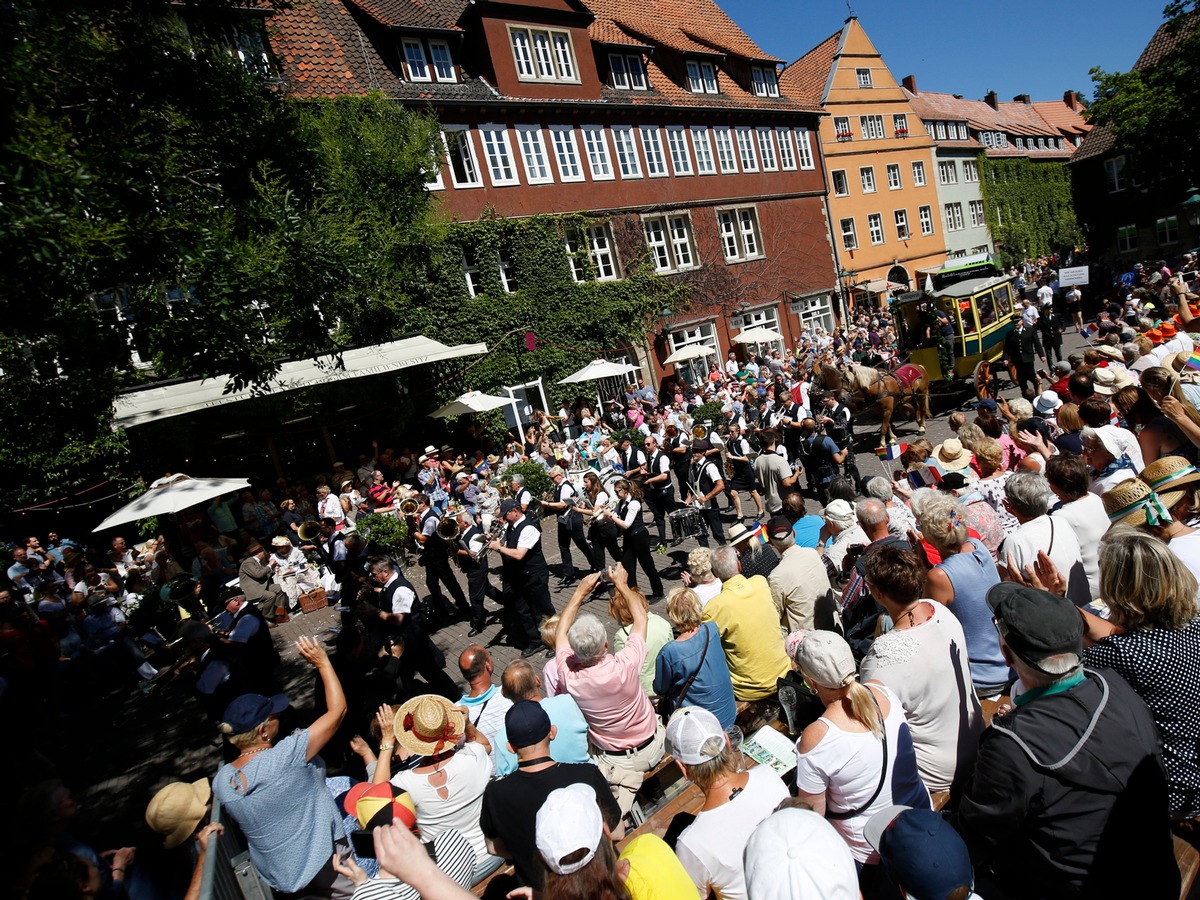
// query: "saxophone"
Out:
[493,534]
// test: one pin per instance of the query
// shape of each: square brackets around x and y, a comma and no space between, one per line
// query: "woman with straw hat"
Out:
[952,456]
[1133,503]
[446,786]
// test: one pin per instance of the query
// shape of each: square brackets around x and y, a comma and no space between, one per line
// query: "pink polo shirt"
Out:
[617,710]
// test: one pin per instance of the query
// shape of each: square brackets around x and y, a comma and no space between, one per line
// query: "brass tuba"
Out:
[448,528]
[699,432]
[408,507]
[309,531]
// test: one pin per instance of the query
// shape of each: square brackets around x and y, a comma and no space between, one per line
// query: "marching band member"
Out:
[523,573]
[601,531]
[637,538]
[473,560]
[632,459]
[703,485]
[435,560]
[521,493]
[737,451]
[658,490]
[570,525]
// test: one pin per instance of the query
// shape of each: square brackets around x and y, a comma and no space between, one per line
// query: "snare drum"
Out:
[685,523]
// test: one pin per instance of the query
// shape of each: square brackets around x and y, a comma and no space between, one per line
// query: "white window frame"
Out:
[862,78]
[766,84]
[849,235]
[903,231]
[872,127]
[504,263]
[940,130]
[918,173]
[706,163]
[747,155]
[677,146]
[566,153]
[671,241]
[702,77]
[764,317]
[845,183]
[1020,142]
[471,157]
[975,211]
[1166,230]
[893,177]
[866,176]
[947,171]
[970,171]
[470,268]
[539,54]
[695,371]
[787,150]
[1114,174]
[599,157]
[900,124]
[726,149]
[804,148]
[925,216]
[503,146]
[411,44]
[841,128]
[875,229]
[443,68]
[601,251]
[628,71]
[766,149]
[534,157]
[652,147]
[954,216]
[741,234]
[712,85]
[628,163]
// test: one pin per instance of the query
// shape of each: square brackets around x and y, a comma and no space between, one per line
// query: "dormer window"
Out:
[543,54]
[628,72]
[417,56]
[702,77]
[765,82]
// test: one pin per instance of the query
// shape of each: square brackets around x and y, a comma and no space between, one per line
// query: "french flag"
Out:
[1090,330]
[924,476]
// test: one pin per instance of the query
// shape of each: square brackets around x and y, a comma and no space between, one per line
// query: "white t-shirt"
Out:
[529,537]
[1045,295]
[467,774]
[706,592]
[927,667]
[711,847]
[1100,486]
[1187,548]
[1058,539]
[1089,520]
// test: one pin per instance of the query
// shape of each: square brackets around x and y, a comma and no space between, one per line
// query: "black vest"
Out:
[533,566]
[464,541]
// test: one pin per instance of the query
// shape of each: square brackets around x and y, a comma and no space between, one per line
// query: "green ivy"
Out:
[1034,202]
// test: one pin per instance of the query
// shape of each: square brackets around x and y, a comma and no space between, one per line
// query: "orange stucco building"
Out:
[883,203]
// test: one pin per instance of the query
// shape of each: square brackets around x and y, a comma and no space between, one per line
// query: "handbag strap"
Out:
[687,684]
[882,772]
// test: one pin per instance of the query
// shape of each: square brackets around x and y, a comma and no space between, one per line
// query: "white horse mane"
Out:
[863,376]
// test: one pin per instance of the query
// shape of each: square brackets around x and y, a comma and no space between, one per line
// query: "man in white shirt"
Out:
[483,701]
[1027,496]
[394,602]
[1045,295]
[1081,509]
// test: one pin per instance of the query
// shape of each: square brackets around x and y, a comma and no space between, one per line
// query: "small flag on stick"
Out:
[1090,331]
[891,451]
[924,476]
[1193,361]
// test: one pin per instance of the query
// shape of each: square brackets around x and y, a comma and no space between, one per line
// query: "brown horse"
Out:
[876,388]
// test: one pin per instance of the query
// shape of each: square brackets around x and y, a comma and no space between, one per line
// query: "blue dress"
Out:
[712,688]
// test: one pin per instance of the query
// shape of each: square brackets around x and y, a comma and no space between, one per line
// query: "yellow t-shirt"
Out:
[655,873]
[745,615]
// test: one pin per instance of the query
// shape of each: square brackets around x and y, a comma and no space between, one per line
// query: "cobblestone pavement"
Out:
[122,748]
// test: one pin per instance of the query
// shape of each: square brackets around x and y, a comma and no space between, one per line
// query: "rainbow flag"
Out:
[1193,361]
[891,451]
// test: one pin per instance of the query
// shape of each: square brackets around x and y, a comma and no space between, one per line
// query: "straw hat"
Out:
[1108,350]
[952,455]
[429,724]
[1169,473]
[178,809]
[1110,380]
[1131,502]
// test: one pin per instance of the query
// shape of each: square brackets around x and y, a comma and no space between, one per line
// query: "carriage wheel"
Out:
[985,387]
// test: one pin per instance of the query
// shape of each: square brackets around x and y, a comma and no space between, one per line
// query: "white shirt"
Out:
[711,847]
[706,592]
[1089,520]
[1045,295]
[467,774]
[1058,539]
[1186,548]
[1029,315]
[403,599]
[928,669]
[528,538]
[330,507]
[633,512]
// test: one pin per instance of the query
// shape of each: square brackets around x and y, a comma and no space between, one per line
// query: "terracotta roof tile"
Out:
[411,13]
[1101,138]
[1013,118]
[604,31]
[318,47]
[1060,116]
[686,26]
[805,79]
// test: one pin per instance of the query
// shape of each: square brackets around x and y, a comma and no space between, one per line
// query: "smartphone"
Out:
[363,843]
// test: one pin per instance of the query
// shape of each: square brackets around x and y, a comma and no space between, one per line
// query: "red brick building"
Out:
[664,120]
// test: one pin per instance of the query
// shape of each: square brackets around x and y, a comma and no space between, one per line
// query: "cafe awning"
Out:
[138,407]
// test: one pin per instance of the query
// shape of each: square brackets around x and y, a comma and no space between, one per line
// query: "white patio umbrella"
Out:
[170,495]
[758,336]
[691,351]
[598,368]
[470,402]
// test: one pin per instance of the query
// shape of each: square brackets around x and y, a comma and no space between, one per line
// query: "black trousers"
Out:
[437,573]
[659,503]
[637,550]
[604,537]
[571,532]
[711,518]
[530,602]
[479,586]
[422,658]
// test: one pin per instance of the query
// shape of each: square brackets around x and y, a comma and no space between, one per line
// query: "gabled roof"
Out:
[1062,117]
[805,80]
[1101,138]
[435,14]
[685,26]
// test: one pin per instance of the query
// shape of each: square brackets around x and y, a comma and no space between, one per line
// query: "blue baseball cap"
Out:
[986,403]
[526,724]
[247,712]
[921,852]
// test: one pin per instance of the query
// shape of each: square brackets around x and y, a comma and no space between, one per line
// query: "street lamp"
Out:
[1191,205]
[844,276]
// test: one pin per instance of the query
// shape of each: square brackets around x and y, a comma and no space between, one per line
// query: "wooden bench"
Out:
[478,890]
[1187,858]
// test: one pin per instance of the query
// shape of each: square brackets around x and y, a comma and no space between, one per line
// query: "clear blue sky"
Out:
[1036,47]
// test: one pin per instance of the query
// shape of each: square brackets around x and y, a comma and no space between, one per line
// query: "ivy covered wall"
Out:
[1028,206]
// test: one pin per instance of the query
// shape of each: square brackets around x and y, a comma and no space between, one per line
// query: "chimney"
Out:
[1071,100]
[1022,98]
[910,83]
[990,99]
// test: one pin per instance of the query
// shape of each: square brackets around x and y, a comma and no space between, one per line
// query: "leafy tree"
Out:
[1154,112]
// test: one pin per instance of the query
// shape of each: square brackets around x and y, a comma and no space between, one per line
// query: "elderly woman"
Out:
[900,517]
[691,670]
[658,631]
[858,758]
[1108,461]
[1152,635]
[699,575]
[735,801]
[960,582]
[1133,503]
[992,476]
